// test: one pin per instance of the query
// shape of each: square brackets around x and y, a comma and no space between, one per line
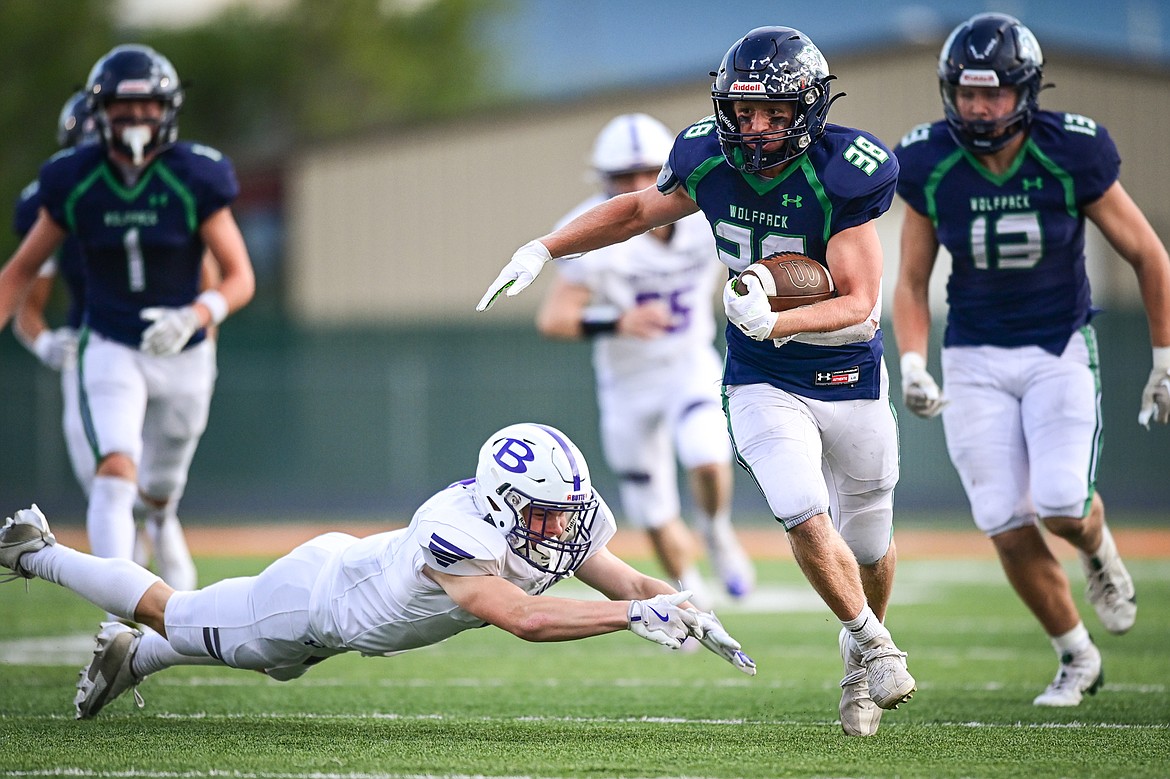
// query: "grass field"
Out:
[487,704]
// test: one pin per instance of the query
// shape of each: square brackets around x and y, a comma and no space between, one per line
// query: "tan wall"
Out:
[414,224]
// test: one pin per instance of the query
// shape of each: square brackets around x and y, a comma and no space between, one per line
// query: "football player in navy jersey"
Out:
[160,533]
[143,208]
[805,390]
[1006,188]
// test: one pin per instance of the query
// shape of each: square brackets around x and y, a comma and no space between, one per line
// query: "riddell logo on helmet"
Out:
[746,86]
[136,86]
[979,78]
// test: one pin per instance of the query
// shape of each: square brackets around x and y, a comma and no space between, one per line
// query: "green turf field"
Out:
[487,704]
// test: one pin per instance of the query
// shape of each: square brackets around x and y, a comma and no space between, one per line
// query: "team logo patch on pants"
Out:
[843,378]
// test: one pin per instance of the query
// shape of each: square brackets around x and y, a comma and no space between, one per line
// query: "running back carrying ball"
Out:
[790,280]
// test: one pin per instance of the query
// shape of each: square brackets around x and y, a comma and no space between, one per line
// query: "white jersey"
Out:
[682,273]
[374,598]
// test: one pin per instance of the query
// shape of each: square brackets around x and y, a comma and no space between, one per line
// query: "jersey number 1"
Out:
[135,264]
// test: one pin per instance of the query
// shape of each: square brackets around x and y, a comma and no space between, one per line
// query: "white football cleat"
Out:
[859,714]
[108,674]
[26,531]
[1078,675]
[890,683]
[1109,587]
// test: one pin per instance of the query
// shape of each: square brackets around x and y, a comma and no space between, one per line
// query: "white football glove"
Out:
[659,619]
[520,271]
[172,329]
[715,638]
[919,390]
[751,312]
[854,334]
[55,348]
[1156,395]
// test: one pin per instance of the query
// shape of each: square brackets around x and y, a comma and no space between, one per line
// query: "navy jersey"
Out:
[1017,240]
[70,267]
[141,243]
[845,179]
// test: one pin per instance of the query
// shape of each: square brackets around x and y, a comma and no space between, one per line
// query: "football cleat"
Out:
[1078,675]
[26,531]
[108,674]
[890,683]
[859,714]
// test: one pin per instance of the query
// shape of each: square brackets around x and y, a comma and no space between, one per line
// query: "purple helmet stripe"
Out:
[568,449]
[634,140]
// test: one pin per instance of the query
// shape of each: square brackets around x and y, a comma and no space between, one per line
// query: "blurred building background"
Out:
[392,155]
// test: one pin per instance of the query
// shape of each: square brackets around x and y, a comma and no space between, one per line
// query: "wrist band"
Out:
[1162,357]
[215,303]
[595,327]
[912,361]
[600,319]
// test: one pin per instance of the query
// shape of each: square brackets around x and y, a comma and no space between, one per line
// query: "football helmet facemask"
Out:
[75,125]
[990,50]
[135,72]
[774,64]
[527,475]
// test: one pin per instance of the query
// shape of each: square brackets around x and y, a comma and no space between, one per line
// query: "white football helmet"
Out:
[630,143]
[526,474]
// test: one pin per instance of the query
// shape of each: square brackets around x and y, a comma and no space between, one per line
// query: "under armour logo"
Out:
[793,200]
[1036,183]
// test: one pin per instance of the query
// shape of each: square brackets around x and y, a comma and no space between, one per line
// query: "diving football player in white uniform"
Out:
[647,306]
[475,554]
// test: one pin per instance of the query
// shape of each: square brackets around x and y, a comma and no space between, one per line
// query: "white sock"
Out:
[155,654]
[1074,641]
[1108,548]
[109,521]
[865,627]
[171,555]
[113,584]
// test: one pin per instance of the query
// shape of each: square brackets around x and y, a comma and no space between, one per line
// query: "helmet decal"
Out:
[514,455]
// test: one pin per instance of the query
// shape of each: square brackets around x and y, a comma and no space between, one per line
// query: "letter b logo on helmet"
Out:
[513,455]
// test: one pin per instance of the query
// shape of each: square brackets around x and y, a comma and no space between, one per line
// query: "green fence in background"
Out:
[366,423]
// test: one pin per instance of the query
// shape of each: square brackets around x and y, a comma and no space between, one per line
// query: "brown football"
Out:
[790,280]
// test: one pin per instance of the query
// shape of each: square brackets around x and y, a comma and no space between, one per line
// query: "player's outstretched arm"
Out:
[617,219]
[533,618]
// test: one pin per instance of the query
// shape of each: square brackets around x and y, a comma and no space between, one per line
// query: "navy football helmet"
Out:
[527,472]
[75,125]
[135,72]
[771,64]
[990,50]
